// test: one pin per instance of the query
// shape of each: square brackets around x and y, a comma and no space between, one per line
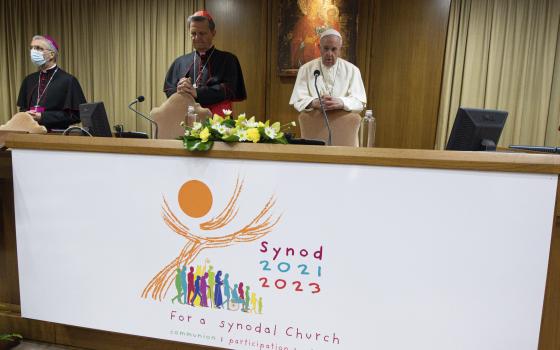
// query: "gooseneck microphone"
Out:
[316,73]
[545,149]
[138,100]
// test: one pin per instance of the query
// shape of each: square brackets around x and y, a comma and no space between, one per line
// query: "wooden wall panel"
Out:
[280,88]
[406,70]
[241,28]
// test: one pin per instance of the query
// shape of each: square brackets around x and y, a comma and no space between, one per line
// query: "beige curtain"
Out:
[117,49]
[504,54]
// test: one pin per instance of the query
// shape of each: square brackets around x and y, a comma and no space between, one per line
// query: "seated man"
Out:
[212,77]
[51,96]
[340,86]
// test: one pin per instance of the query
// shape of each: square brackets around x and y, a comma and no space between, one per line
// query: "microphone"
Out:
[545,149]
[316,73]
[141,99]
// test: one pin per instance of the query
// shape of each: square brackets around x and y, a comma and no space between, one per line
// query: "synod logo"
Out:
[207,285]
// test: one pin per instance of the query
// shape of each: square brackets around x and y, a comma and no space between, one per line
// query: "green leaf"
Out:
[282,140]
[230,138]
[230,123]
[198,145]
[215,134]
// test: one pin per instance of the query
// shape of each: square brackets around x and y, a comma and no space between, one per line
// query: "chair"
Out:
[20,123]
[344,127]
[172,112]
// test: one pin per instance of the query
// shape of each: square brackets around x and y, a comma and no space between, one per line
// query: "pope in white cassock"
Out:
[341,88]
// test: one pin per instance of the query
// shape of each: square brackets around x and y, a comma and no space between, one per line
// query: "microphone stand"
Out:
[154,135]
[323,110]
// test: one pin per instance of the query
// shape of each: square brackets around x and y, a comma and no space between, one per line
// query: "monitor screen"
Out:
[476,129]
[94,119]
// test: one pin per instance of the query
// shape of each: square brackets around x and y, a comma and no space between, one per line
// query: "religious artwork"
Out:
[301,23]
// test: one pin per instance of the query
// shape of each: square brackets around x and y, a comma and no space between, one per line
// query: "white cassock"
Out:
[342,80]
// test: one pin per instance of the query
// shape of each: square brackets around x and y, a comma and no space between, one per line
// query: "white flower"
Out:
[251,123]
[242,134]
[197,126]
[222,129]
[227,112]
[270,132]
[182,124]
[187,133]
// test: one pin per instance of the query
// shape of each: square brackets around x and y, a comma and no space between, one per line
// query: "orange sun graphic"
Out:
[195,198]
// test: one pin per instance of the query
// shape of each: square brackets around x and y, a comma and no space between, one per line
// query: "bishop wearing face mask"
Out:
[50,95]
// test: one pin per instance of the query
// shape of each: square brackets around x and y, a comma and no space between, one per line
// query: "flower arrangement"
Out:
[201,136]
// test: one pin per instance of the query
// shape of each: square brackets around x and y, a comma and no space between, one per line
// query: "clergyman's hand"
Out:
[332,103]
[192,91]
[184,85]
[315,104]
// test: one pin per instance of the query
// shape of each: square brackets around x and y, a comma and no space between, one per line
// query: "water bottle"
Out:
[191,116]
[367,130]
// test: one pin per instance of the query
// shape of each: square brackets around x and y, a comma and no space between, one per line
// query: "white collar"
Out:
[48,69]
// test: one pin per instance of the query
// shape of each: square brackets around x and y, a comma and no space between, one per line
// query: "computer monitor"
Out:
[476,129]
[94,119]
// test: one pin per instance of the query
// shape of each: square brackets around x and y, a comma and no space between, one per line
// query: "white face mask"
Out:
[37,58]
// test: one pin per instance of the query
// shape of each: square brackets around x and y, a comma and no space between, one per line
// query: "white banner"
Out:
[243,254]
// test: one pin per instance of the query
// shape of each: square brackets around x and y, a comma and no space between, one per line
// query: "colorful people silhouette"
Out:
[204,290]
[227,290]
[240,291]
[184,283]
[178,286]
[218,290]
[190,279]
[253,302]
[247,299]
[196,293]
[211,282]
[196,290]
[235,294]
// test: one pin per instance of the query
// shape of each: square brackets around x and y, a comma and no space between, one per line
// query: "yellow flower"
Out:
[204,134]
[253,135]
[216,120]
[240,122]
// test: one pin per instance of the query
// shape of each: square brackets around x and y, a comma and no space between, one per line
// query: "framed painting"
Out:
[301,23]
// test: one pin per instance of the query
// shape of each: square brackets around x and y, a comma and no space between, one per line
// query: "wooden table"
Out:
[10,319]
